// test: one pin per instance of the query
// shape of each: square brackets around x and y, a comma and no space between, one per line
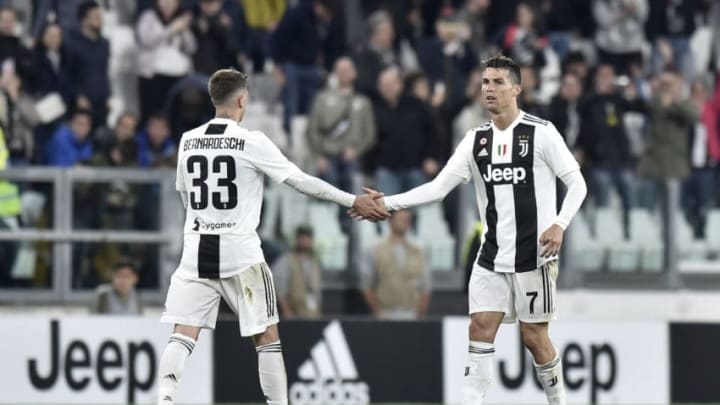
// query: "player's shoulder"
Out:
[485,126]
[535,121]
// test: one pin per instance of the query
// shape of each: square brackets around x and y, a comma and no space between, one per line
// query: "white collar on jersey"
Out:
[512,125]
[224,120]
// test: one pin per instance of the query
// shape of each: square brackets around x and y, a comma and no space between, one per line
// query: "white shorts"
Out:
[250,294]
[528,296]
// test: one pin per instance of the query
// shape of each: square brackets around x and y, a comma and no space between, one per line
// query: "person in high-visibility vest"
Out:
[10,208]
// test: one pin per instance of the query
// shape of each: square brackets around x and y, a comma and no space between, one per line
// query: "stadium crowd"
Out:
[389,87]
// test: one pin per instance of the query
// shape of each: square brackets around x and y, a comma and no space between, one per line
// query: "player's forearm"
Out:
[576,192]
[430,192]
[317,188]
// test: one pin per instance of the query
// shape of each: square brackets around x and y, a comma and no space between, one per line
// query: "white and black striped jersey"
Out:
[514,171]
[221,166]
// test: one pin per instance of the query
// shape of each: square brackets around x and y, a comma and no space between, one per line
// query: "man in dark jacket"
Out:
[217,45]
[603,145]
[407,138]
[296,48]
[92,53]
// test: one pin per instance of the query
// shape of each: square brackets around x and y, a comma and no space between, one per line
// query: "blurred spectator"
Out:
[474,14]
[118,147]
[63,13]
[14,56]
[522,39]
[189,105]
[603,146]
[528,100]
[576,64]
[17,118]
[119,296]
[473,114]
[217,45]
[417,85]
[54,65]
[669,27]
[565,21]
[670,119]
[298,278]
[405,124]
[699,191]
[166,44]
[10,210]
[447,58]
[262,17]
[381,52]
[92,52]
[564,109]
[395,280]
[620,34]
[70,144]
[341,128]
[157,147]
[296,47]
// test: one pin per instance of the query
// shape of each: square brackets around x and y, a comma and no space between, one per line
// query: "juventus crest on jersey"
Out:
[221,167]
[514,172]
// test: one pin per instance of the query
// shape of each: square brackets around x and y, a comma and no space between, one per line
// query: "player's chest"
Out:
[505,158]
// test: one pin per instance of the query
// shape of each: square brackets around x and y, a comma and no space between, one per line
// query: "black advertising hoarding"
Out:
[694,356]
[338,363]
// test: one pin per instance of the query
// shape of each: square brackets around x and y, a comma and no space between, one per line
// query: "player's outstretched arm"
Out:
[312,186]
[433,191]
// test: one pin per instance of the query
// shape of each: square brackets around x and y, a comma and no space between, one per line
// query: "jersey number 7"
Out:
[225,178]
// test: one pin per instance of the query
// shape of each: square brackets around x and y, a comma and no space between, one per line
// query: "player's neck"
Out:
[505,118]
[235,115]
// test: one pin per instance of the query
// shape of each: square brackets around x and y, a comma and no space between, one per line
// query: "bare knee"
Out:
[484,326]
[535,338]
[270,335]
[193,332]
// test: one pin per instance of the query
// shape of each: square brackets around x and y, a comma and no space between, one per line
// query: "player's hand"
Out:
[551,240]
[369,206]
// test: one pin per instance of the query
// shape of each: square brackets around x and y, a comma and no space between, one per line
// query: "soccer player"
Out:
[514,160]
[220,179]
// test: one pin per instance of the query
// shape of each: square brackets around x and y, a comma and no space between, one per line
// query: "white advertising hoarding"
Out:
[605,363]
[93,360]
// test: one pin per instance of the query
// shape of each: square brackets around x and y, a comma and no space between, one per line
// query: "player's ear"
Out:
[517,89]
[241,100]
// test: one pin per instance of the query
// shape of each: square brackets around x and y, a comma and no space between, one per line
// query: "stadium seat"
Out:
[712,231]
[331,244]
[645,233]
[584,253]
[623,255]
[434,235]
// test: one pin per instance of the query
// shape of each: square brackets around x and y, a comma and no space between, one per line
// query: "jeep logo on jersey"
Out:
[504,174]
[329,376]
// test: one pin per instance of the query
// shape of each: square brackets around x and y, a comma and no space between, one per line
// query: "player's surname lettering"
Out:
[214,143]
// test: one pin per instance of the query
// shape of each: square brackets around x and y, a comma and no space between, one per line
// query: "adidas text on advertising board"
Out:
[329,376]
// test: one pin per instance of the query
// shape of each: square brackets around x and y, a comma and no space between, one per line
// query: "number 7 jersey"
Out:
[221,167]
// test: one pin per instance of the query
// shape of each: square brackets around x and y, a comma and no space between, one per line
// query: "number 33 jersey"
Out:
[221,167]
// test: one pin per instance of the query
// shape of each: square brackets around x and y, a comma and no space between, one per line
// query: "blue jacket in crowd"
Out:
[64,150]
[147,154]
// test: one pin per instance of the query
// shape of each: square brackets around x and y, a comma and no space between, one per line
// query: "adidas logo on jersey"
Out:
[504,174]
[329,376]
[483,152]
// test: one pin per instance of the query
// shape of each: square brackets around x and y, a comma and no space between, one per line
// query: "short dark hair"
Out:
[224,83]
[85,8]
[124,264]
[501,61]
[81,111]
[304,230]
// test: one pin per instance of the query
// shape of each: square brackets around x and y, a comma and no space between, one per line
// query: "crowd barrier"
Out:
[114,360]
